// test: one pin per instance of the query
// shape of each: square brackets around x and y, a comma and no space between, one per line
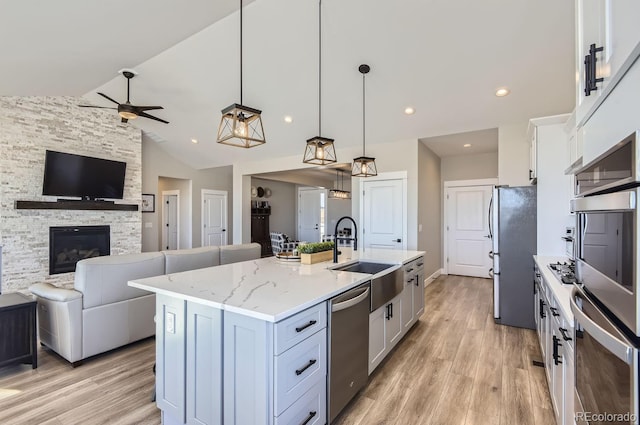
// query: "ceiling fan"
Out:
[126,110]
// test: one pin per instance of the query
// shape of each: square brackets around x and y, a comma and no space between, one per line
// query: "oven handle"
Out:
[619,348]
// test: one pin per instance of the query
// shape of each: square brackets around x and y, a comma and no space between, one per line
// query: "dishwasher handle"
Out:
[350,302]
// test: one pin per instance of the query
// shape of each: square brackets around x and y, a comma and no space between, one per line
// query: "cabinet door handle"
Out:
[590,80]
[391,305]
[417,280]
[388,312]
[305,367]
[566,337]
[301,328]
[542,315]
[554,311]
[311,415]
[556,356]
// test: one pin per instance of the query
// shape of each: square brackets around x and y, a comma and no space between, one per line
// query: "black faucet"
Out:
[354,238]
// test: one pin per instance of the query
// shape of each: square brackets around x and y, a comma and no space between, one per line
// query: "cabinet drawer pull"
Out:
[305,367]
[566,337]
[311,415]
[301,328]
[554,311]
[409,270]
[420,264]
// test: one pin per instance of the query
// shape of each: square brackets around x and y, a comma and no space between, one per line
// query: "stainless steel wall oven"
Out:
[606,301]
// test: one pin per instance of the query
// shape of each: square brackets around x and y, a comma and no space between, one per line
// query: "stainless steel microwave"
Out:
[616,169]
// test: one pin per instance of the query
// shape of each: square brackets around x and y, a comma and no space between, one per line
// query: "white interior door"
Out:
[214,217]
[170,221]
[311,214]
[384,214]
[467,227]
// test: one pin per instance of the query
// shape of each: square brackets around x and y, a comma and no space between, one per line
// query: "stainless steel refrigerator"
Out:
[513,216]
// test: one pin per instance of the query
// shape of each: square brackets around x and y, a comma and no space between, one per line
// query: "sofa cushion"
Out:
[103,280]
[191,259]
[236,253]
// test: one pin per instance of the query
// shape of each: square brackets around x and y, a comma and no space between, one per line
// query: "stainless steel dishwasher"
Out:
[348,346]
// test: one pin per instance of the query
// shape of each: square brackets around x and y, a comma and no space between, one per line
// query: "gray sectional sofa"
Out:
[102,312]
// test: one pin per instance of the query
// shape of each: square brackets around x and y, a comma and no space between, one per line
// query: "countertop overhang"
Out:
[561,291]
[270,289]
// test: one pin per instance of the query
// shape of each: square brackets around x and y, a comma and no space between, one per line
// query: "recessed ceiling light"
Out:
[409,110]
[503,91]
[194,140]
[467,145]
[288,119]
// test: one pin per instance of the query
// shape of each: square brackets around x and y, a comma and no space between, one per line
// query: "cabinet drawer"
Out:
[298,369]
[291,331]
[410,267]
[310,409]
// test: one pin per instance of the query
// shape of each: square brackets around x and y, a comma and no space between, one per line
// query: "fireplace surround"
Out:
[70,244]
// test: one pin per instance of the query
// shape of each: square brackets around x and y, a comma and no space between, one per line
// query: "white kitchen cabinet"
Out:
[554,187]
[385,330]
[273,372]
[418,289]
[408,318]
[609,25]
[533,153]
[556,342]
[413,294]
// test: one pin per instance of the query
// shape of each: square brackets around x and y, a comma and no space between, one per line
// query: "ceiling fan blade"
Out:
[147,108]
[107,97]
[99,107]
[145,115]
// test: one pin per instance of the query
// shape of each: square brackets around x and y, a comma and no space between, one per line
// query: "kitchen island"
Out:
[246,343]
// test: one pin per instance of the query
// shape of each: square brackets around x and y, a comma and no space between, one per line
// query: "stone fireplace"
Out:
[70,244]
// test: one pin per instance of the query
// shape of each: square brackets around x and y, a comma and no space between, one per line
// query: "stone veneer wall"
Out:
[28,127]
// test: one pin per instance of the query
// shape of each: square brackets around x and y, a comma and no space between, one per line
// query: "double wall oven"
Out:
[606,305]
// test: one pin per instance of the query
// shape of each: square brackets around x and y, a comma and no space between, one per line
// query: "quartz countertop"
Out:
[561,292]
[270,289]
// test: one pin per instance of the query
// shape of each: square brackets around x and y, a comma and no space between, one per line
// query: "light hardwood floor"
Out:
[454,367]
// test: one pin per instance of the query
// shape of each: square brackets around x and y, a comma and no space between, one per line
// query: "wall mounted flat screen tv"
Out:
[67,174]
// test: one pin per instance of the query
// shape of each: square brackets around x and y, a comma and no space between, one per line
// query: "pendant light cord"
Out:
[363,116]
[241,52]
[320,68]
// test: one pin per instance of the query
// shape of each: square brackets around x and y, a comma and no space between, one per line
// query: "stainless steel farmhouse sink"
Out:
[383,287]
[363,267]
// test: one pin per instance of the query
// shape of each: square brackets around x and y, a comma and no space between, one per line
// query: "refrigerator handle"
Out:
[489,217]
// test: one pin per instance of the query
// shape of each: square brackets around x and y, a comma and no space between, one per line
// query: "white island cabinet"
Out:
[246,343]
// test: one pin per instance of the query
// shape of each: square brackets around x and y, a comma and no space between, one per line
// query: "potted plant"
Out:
[315,252]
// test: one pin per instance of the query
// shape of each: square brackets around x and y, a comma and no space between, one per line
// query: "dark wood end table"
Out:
[18,330]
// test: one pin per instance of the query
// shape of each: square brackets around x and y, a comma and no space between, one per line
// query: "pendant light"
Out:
[339,193]
[241,126]
[364,166]
[319,150]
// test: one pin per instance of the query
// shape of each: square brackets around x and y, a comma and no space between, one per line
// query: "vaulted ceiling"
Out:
[445,58]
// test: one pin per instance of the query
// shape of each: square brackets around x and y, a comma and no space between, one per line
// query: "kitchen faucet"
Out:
[336,238]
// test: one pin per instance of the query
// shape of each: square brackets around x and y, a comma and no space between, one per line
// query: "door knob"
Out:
[224,230]
[487,236]
[396,240]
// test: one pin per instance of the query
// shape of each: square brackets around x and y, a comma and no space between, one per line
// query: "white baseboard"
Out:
[433,277]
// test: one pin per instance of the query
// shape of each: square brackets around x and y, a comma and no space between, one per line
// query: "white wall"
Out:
[395,156]
[513,155]
[186,204]
[283,205]
[429,208]
[469,167]
[157,163]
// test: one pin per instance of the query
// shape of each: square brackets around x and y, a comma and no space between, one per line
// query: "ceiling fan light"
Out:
[241,126]
[364,166]
[319,151]
[128,115]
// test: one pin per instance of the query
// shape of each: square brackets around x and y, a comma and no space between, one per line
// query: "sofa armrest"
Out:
[53,293]
[60,319]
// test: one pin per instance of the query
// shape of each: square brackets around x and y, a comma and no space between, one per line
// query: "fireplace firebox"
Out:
[68,245]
